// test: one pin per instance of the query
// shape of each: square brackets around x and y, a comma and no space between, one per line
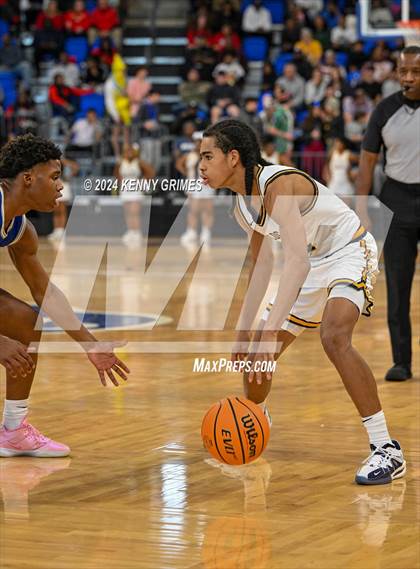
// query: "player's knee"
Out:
[24,323]
[335,340]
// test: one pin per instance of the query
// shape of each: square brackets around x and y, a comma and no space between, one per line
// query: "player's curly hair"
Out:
[232,134]
[23,153]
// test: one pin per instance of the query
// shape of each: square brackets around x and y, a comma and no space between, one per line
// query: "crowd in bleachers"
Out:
[319,82]
[68,48]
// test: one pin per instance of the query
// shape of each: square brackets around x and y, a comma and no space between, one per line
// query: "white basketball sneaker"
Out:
[383,465]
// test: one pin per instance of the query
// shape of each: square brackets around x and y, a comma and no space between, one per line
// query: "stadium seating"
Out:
[78,48]
[281,61]
[255,48]
[93,101]
[8,84]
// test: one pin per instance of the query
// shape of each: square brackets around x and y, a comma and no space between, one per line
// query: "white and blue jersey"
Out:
[14,231]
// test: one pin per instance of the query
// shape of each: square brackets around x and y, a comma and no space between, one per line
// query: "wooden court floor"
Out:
[138,491]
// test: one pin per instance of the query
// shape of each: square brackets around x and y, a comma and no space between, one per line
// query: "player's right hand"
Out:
[14,357]
[241,346]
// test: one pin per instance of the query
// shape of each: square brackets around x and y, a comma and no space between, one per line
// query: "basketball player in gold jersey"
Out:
[30,171]
[330,262]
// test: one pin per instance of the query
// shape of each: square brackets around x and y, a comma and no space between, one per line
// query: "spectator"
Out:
[338,171]
[22,117]
[48,37]
[185,143]
[117,103]
[391,85]
[149,112]
[290,34]
[50,19]
[104,50]
[292,83]
[67,68]
[221,93]
[85,135]
[269,152]
[269,76]
[329,65]
[104,20]
[331,114]
[315,88]
[257,19]
[382,66]
[368,84]
[203,58]
[137,89]
[355,129]
[311,7]
[321,32]
[227,14]
[313,159]
[199,29]
[309,46]
[360,103]
[11,58]
[380,15]
[282,126]
[250,116]
[70,170]
[131,168]
[313,122]
[77,20]
[231,67]
[341,35]
[64,99]
[303,67]
[356,56]
[93,74]
[331,14]
[200,203]
[226,40]
[194,90]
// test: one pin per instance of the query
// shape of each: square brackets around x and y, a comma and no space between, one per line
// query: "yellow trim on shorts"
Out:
[358,285]
[302,322]
[296,320]
[360,233]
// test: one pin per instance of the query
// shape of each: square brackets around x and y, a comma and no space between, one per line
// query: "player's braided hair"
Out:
[231,134]
[24,152]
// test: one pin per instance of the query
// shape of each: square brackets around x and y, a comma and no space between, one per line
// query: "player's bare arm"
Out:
[262,261]
[282,201]
[55,304]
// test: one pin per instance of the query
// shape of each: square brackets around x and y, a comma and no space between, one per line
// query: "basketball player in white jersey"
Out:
[30,179]
[330,262]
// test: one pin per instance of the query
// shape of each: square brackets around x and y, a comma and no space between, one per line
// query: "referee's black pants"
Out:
[400,252]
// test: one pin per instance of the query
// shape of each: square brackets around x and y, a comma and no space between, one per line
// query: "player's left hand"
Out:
[264,351]
[102,356]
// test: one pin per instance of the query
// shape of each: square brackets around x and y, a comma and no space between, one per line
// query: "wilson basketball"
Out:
[235,430]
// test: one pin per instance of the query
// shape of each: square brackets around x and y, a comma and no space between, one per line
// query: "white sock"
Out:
[14,411]
[377,430]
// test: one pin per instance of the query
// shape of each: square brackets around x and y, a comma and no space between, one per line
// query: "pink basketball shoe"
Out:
[28,441]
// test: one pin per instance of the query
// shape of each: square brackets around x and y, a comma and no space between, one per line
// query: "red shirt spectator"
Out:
[50,18]
[60,94]
[226,39]
[77,21]
[200,30]
[104,18]
[105,51]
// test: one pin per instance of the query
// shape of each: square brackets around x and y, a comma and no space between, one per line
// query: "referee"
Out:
[395,126]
